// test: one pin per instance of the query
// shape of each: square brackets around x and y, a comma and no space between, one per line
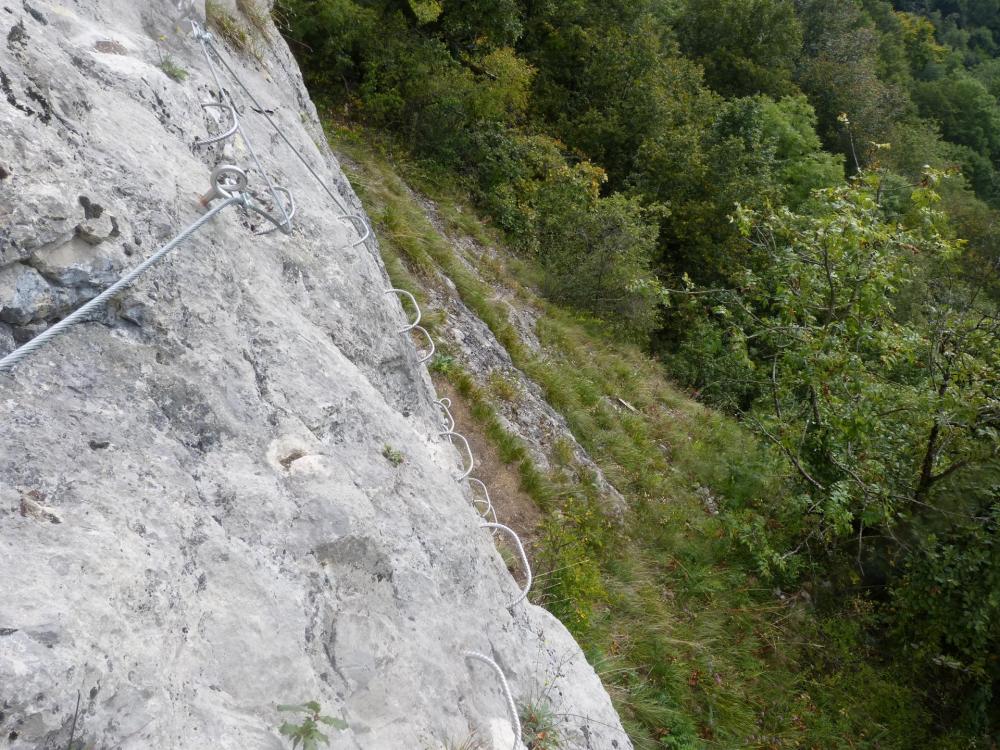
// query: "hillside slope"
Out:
[651,575]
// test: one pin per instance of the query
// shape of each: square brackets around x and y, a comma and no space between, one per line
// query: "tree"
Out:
[597,253]
[745,46]
[965,110]
[839,72]
[945,610]
[752,151]
[880,363]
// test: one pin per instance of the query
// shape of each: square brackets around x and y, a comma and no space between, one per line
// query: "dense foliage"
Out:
[794,204]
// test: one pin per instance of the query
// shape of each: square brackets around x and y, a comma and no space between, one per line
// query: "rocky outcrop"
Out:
[199,516]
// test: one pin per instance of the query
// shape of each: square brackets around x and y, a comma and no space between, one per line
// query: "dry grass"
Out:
[234,33]
[256,15]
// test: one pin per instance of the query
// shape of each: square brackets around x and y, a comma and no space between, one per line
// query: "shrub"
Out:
[307,734]
[538,724]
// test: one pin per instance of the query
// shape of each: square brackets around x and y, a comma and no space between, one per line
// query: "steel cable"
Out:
[207,39]
[204,39]
[124,282]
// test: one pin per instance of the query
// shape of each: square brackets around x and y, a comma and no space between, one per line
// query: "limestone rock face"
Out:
[197,517]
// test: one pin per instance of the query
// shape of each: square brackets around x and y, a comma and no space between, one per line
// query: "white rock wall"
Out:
[196,518]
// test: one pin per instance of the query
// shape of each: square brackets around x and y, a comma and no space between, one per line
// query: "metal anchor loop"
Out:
[227,182]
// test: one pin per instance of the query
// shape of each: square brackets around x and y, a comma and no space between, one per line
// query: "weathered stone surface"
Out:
[227,533]
[6,339]
[25,295]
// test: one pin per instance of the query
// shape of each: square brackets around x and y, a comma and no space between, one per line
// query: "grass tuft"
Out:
[172,69]
[538,726]
[504,387]
[257,17]
[230,29]
[392,455]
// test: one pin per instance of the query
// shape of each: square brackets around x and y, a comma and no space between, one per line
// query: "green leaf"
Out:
[337,723]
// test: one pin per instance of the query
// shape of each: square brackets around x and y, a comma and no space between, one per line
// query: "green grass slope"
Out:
[697,648]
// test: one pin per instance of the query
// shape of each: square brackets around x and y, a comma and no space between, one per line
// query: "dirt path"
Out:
[514,507]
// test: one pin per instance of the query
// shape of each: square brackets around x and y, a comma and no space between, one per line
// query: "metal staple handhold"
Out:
[430,340]
[288,211]
[515,721]
[364,224]
[524,558]
[231,131]
[489,503]
[445,403]
[412,299]
[468,449]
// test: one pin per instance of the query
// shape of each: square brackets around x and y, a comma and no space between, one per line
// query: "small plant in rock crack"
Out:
[392,455]
[307,735]
[167,64]
[538,723]
[442,363]
[173,70]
